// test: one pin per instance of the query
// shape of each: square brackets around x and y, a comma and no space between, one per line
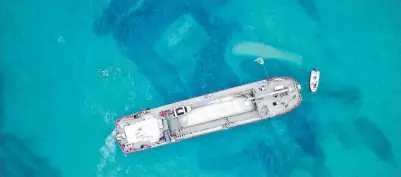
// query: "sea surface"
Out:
[69,69]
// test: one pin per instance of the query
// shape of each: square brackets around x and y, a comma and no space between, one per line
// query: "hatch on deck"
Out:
[180,111]
[279,87]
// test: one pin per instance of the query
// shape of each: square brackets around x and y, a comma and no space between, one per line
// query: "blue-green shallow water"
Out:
[70,69]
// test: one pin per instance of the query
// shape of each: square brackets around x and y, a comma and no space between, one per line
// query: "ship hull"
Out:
[208,113]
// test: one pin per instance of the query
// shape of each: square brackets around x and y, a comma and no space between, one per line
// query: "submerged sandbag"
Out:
[180,45]
[181,41]
[240,56]
[262,50]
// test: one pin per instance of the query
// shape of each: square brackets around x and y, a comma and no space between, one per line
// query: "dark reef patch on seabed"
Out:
[362,130]
[138,30]
[364,133]
[147,27]
[213,73]
[347,94]
[17,160]
[301,124]
[117,11]
[277,150]
[311,10]
[345,135]
[211,58]
[287,156]
[164,80]
[374,139]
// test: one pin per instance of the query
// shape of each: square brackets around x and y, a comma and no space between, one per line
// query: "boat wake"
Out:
[108,151]
[255,49]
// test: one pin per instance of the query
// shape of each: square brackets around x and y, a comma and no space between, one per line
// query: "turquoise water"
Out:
[69,69]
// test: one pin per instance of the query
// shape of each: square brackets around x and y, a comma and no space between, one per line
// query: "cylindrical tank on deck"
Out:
[216,111]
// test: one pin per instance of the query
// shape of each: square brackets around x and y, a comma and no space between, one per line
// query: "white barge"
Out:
[208,113]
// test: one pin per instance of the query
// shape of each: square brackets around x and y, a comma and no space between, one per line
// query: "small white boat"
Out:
[314,80]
